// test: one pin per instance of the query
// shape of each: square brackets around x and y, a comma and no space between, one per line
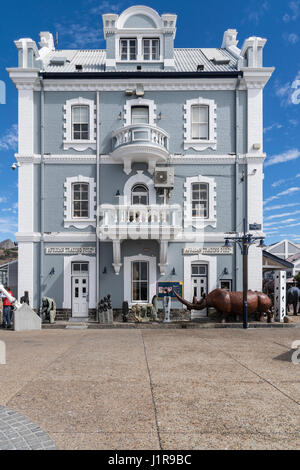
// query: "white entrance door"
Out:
[199,287]
[80,290]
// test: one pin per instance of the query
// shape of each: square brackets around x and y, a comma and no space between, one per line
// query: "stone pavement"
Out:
[18,433]
[156,389]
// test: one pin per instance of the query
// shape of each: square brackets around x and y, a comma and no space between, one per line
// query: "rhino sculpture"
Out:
[293,297]
[231,303]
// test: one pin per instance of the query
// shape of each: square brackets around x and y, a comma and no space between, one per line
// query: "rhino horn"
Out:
[190,305]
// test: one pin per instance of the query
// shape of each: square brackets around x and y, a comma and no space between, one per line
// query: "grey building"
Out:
[135,161]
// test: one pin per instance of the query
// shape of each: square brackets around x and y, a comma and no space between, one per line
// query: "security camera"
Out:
[15,166]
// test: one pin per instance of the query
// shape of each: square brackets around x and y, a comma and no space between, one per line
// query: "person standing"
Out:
[6,322]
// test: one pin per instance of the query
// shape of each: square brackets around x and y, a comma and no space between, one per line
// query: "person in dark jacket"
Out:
[7,306]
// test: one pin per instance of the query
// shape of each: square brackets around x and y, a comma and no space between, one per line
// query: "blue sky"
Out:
[200,24]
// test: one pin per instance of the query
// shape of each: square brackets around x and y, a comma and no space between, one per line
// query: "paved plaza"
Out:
[150,389]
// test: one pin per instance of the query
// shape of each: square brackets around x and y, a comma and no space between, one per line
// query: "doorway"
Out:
[80,290]
[199,286]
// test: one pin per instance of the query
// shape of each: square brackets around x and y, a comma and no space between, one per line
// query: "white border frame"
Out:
[68,260]
[79,223]
[127,277]
[200,144]
[69,142]
[210,261]
[212,201]
[139,102]
[136,179]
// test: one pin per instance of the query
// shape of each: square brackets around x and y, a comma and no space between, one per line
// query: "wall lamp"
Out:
[118,193]
[173,272]
[52,272]
[104,270]
[159,117]
[225,271]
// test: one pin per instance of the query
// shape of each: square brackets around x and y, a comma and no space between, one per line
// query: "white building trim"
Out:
[26,270]
[26,201]
[70,221]
[68,260]
[200,144]
[69,142]
[139,102]
[210,261]
[26,121]
[255,120]
[142,179]
[212,205]
[138,10]
[127,276]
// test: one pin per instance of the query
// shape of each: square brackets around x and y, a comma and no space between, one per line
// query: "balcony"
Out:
[155,222]
[140,143]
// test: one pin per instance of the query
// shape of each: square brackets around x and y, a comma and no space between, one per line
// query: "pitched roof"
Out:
[294,258]
[186,60]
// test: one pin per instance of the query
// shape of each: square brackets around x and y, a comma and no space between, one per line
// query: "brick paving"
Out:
[19,433]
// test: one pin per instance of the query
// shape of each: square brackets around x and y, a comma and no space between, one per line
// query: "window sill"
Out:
[80,145]
[200,144]
[79,223]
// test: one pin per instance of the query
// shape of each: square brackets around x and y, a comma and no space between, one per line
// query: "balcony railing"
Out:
[141,134]
[139,221]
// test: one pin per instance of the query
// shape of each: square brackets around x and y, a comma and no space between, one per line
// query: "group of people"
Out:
[6,310]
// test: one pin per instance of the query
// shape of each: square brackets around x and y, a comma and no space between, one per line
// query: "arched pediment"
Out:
[137,17]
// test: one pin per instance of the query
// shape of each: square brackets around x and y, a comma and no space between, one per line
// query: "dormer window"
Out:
[151,49]
[128,49]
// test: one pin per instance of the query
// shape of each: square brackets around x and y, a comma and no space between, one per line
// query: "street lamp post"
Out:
[244,242]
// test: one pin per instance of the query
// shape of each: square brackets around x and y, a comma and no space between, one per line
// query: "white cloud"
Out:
[8,225]
[9,140]
[283,181]
[278,216]
[287,221]
[273,126]
[286,91]
[281,206]
[287,192]
[292,38]
[287,156]
[294,12]
[86,30]
[255,12]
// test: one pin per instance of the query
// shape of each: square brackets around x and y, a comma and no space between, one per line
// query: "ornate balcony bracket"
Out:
[163,257]
[117,256]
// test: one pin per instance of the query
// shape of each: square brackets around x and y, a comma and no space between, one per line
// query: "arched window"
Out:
[140,195]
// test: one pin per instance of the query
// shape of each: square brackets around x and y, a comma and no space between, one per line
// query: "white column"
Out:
[25,269]
[255,120]
[255,268]
[26,198]
[26,122]
[255,193]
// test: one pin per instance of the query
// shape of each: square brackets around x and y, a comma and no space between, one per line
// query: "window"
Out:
[226,284]
[80,268]
[200,200]
[80,122]
[128,49]
[140,195]
[140,281]
[200,127]
[151,49]
[199,270]
[200,211]
[200,117]
[80,200]
[140,115]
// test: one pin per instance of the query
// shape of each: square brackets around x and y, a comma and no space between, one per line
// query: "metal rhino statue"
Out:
[293,297]
[231,303]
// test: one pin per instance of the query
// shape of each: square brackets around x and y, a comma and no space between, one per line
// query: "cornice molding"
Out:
[25,79]
[149,84]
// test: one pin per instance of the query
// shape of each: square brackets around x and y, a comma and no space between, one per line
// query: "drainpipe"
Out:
[97,199]
[42,194]
[236,263]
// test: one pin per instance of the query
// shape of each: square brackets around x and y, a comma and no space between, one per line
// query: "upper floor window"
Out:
[80,200]
[151,49]
[200,116]
[79,115]
[128,49]
[200,122]
[139,115]
[200,203]
[80,122]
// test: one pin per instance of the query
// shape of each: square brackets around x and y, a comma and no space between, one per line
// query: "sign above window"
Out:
[213,250]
